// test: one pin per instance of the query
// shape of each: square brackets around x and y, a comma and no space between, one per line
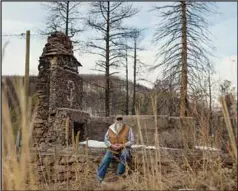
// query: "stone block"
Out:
[48,160]
[60,168]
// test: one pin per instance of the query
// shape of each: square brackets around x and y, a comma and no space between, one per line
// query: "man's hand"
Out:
[117,146]
[120,146]
[114,147]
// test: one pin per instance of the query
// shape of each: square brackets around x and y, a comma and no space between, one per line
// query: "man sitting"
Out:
[118,138]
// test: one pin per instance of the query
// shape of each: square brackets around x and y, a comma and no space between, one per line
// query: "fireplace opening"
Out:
[79,127]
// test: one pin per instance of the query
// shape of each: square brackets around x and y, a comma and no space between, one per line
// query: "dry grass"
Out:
[17,171]
[149,172]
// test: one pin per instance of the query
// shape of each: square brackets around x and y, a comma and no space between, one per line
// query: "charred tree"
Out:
[107,19]
[186,45]
[63,16]
[135,35]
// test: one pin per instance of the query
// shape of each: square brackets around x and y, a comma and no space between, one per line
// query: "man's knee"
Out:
[126,154]
[108,155]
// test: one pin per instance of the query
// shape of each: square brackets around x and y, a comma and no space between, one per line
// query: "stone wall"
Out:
[173,131]
[66,164]
[62,166]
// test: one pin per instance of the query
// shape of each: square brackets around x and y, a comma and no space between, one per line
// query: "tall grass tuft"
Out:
[17,169]
[4,49]
[230,128]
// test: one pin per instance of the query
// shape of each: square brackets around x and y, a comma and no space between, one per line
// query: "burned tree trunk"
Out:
[63,16]
[184,75]
[107,89]
[210,103]
[67,19]
[127,86]
[134,81]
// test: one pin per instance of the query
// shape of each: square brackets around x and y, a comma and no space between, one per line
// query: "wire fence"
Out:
[23,35]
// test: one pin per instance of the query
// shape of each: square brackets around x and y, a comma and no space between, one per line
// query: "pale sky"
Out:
[17,17]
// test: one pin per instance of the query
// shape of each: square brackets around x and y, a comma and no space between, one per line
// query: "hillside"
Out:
[93,87]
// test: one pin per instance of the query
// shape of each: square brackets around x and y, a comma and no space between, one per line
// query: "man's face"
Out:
[119,121]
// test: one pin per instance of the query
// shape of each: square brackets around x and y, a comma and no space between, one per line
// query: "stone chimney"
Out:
[60,92]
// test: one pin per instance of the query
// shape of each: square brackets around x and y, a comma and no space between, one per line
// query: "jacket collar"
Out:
[112,127]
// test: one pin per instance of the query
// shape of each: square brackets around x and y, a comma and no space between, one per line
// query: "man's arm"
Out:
[106,139]
[131,139]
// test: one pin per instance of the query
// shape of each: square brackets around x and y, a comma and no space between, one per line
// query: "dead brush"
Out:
[196,170]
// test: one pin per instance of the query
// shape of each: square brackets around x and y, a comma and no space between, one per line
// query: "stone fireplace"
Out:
[60,92]
[79,128]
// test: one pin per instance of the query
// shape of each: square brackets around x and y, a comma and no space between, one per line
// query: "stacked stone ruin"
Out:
[60,92]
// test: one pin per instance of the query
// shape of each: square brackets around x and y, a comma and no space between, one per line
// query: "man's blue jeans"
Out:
[124,157]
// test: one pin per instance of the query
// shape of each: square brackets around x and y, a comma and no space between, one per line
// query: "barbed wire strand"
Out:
[22,35]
